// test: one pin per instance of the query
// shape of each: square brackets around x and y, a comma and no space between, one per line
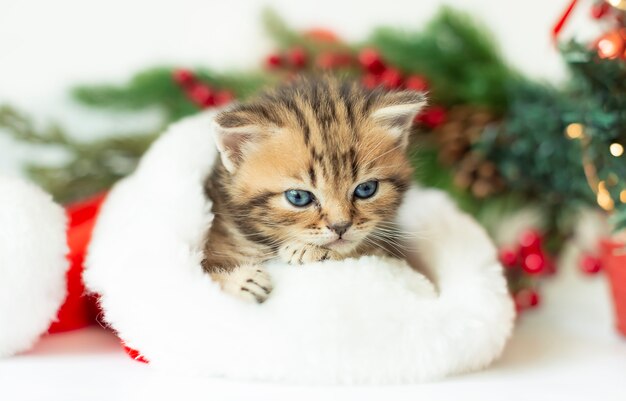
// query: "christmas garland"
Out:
[496,141]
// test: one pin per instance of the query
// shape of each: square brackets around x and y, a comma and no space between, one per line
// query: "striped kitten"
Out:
[310,171]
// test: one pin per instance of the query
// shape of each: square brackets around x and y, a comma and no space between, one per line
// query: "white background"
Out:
[566,349]
[48,46]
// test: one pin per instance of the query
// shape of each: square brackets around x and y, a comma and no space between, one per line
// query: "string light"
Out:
[604,197]
[616,149]
[622,196]
[574,131]
[621,4]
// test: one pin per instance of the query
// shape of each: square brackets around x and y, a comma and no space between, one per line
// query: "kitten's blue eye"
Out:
[366,189]
[298,197]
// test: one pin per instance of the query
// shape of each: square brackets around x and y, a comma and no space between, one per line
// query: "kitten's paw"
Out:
[305,253]
[249,282]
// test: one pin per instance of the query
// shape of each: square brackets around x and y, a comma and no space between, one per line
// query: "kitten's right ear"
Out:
[235,135]
[397,110]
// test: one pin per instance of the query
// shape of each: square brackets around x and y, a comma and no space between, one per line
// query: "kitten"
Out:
[310,171]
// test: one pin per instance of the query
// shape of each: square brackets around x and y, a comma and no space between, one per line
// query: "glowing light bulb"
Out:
[574,131]
[621,4]
[616,149]
[604,197]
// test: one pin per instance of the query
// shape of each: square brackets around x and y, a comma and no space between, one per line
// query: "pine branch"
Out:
[458,56]
[91,167]
[155,88]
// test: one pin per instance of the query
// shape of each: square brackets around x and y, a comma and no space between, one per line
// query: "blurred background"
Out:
[48,47]
[526,128]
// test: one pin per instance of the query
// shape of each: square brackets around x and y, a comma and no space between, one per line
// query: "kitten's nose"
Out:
[340,228]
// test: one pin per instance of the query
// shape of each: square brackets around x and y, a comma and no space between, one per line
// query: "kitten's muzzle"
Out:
[340,228]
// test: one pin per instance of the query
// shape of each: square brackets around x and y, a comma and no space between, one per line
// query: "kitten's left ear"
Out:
[396,112]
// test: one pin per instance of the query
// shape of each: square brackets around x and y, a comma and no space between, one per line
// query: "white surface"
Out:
[566,350]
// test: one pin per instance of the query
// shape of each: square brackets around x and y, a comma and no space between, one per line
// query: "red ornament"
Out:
[183,77]
[202,95]
[612,45]
[432,117]
[416,83]
[508,257]
[590,264]
[296,57]
[600,9]
[371,61]
[391,78]
[526,298]
[534,263]
[370,81]
[273,61]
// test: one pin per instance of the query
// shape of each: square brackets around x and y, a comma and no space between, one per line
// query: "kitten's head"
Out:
[317,161]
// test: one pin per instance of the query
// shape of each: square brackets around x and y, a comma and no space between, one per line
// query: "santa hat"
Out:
[40,285]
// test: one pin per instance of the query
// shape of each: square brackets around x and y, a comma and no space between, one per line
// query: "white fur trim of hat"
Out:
[33,265]
[367,320]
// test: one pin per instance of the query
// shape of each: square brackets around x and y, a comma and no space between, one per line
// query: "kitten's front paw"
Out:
[306,253]
[250,283]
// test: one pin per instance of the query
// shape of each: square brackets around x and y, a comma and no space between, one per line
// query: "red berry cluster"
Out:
[295,58]
[527,257]
[199,92]
[378,73]
[375,73]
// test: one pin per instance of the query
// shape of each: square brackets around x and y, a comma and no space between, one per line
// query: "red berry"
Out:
[202,95]
[273,61]
[391,78]
[599,10]
[534,263]
[590,264]
[530,241]
[370,81]
[183,77]
[416,83]
[508,257]
[297,57]
[370,60]
[432,117]
[223,97]
[526,298]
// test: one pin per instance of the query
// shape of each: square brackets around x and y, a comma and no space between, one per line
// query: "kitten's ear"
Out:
[235,134]
[396,112]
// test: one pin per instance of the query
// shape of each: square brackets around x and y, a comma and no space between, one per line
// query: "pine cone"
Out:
[463,128]
[478,175]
